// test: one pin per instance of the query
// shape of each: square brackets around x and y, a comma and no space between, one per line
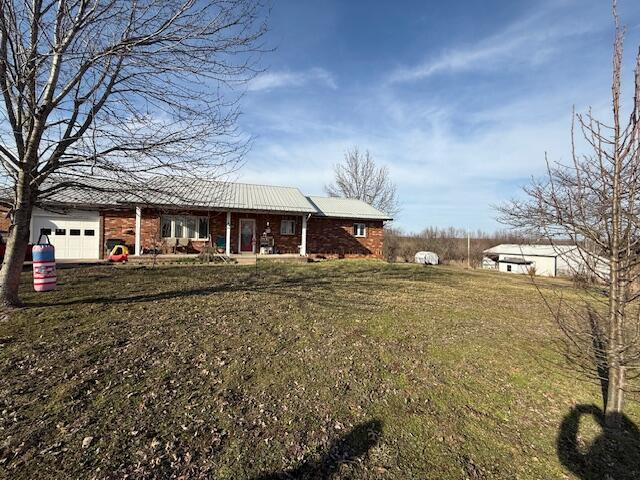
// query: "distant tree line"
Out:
[449,243]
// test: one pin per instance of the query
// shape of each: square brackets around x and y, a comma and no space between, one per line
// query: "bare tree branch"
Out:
[107,89]
[359,177]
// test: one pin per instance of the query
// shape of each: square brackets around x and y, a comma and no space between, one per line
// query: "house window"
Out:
[288,227]
[61,231]
[45,231]
[194,228]
[178,227]
[508,268]
[359,230]
[74,232]
[203,227]
[190,225]
[166,227]
[89,233]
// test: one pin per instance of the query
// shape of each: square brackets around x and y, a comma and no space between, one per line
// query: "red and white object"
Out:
[44,266]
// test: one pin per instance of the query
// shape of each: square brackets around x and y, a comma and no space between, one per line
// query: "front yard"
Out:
[351,369]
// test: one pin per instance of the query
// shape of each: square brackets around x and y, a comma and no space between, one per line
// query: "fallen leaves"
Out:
[86,442]
[199,372]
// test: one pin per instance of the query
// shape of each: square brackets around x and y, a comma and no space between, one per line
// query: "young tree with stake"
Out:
[110,89]
[593,201]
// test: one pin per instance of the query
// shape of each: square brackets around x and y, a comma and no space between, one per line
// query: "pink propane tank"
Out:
[44,266]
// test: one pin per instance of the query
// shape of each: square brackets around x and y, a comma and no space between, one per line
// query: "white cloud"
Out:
[445,176]
[532,41]
[451,158]
[286,78]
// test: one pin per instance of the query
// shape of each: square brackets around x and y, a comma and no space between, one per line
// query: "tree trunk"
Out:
[16,250]
[615,355]
[617,299]
[615,395]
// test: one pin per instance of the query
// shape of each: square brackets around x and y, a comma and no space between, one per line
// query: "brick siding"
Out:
[334,237]
[149,229]
[327,237]
[5,221]
[121,225]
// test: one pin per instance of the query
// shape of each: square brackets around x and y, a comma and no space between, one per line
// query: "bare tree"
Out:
[359,177]
[104,89]
[593,201]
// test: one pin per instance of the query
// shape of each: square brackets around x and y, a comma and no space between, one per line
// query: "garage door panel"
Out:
[73,236]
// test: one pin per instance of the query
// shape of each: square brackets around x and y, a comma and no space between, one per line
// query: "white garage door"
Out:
[75,235]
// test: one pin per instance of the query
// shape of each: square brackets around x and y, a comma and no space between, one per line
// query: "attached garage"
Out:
[75,235]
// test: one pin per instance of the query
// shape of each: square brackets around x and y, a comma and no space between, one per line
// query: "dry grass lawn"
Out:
[342,369]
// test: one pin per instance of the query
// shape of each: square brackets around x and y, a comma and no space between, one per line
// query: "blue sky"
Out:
[460,99]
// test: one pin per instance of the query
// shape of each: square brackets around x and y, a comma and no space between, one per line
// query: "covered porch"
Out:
[193,259]
[180,231]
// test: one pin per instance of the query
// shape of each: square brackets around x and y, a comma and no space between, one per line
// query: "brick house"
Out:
[185,216]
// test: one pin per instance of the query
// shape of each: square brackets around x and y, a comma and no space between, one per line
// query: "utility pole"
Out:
[468,249]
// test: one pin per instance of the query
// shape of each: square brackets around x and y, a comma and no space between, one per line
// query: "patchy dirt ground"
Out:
[336,370]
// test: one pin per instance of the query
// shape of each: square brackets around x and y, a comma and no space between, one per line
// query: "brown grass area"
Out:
[345,369]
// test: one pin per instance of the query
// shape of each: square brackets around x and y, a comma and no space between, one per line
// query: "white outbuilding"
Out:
[544,260]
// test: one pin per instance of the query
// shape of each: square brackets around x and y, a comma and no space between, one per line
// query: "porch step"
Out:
[283,259]
[245,259]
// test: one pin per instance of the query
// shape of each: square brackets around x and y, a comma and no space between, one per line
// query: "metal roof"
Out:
[227,195]
[174,191]
[90,191]
[535,250]
[183,192]
[346,208]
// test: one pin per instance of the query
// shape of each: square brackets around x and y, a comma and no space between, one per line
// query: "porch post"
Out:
[227,241]
[138,227]
[303,242]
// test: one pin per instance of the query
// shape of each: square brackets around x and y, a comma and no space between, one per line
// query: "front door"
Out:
[247,235]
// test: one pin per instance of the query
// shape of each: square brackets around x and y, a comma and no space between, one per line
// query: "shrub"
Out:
[210,255]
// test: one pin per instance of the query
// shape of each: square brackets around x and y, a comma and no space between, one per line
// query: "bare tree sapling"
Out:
[593,202]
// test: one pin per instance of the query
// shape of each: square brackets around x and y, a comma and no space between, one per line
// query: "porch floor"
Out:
[242,259]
